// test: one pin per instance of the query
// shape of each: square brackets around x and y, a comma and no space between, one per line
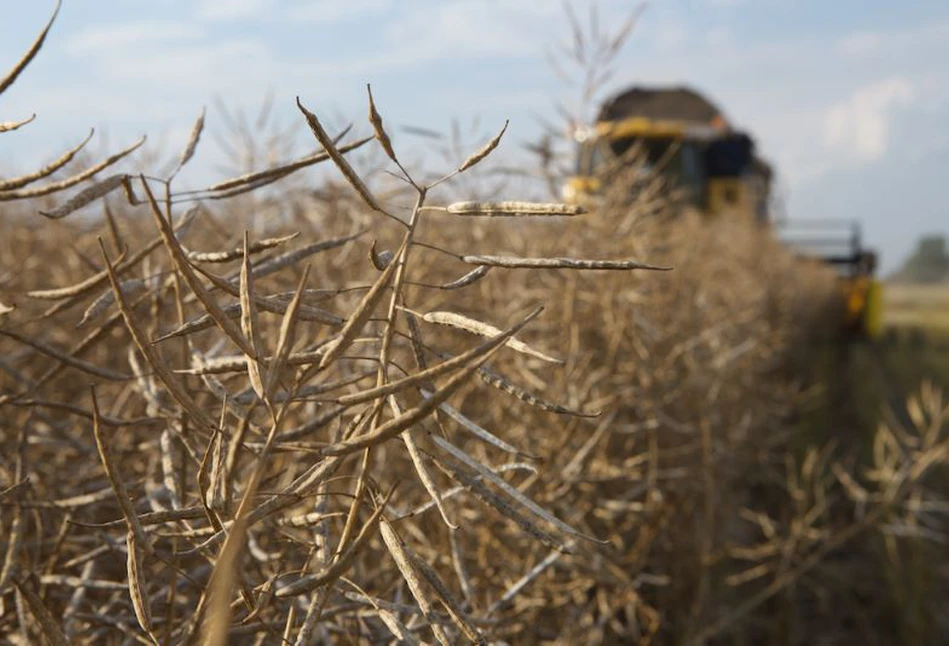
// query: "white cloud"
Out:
[671,36]
[467,28]
[231,9]
[861,43]
[100,39]
[335,11]
[860,125]
[719,37]
[183,68]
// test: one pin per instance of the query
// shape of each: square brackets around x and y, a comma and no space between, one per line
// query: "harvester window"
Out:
[681,163]
[729,157]
[595,154]
[652,152]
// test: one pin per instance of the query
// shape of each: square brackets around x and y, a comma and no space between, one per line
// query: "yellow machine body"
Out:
[680,150]
[863,295]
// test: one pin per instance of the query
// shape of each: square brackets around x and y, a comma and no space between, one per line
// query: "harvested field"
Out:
[920,306]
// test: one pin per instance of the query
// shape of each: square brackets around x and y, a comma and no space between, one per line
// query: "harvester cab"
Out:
[680,135]
[839,243]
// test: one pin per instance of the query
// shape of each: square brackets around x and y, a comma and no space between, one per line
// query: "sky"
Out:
[848,99]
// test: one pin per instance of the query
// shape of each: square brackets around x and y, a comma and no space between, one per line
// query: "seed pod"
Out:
[513,209]
[46,171]
[376,120]
[137,587]
[484,151]
[472,276]
[73,180]
[338,158]
[132,287]
[455,320]
[381,259]
[234,254]
[86,196]
[192,144]
[515,262]
[9,126]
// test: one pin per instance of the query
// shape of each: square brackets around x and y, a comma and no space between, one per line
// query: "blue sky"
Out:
[849,99]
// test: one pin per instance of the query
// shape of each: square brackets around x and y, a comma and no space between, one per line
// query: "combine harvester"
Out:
[684,137]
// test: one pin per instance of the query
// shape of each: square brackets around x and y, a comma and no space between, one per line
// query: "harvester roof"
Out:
[668,104]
